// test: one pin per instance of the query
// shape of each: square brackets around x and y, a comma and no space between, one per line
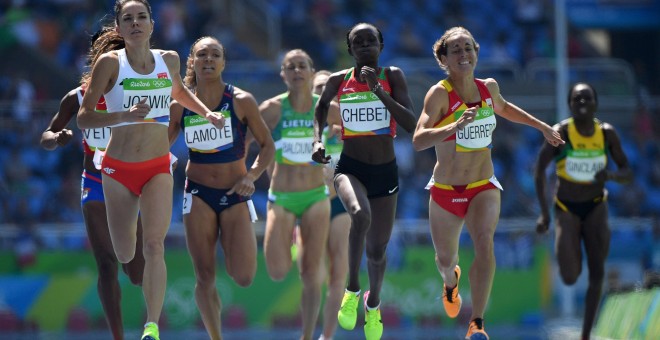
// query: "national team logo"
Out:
[162,75]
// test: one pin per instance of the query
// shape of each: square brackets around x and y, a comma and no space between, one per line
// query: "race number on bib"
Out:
[187,203]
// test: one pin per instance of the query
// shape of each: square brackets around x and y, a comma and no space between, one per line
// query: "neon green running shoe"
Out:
[150,331]
[373,324]
[347,315]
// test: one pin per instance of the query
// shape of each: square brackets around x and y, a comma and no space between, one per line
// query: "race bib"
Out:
[582,165]
[477,135]
[253,211]
[295,146]
[98,158]
[364,114]
[156,92]
[202,136]
[187,203]
[97,138]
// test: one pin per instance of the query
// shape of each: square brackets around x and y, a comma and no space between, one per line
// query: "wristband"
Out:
[377,87]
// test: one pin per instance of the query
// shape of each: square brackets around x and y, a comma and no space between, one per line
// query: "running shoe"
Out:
[150,332]
[373,325]
[294,243]
[450,297]
[347,316]
[476,330]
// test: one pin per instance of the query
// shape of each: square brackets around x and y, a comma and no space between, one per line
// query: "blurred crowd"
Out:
[38,186]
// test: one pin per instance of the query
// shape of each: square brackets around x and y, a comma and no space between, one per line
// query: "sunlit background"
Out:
[535,49]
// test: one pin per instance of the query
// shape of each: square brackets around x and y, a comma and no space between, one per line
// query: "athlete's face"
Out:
[461,55]
[208,58]
[583,102]
[319,83]
[135,23]
[297,71]
[364,45]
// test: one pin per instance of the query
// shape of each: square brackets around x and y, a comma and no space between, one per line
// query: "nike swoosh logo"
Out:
[346,89]
[194,191]
[393,190]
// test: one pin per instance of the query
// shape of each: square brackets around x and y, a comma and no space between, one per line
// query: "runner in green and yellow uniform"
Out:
[340,223]
[298,192]
[581,214]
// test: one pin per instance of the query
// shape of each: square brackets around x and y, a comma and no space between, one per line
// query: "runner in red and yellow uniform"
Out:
[458,120]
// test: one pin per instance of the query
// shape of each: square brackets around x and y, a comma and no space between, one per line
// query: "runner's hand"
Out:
[217,119]
[137,112]
[244,187]
[318,153]
[542,224]
[63,137]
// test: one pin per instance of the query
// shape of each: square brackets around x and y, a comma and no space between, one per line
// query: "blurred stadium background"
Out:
[47,273]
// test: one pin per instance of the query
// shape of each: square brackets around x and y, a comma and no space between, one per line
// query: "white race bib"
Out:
[296,145]
[98,158]
[582,165]
[478,134]
[187,203]
[97,138]
[156,92]
[363,113]
[201,135]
